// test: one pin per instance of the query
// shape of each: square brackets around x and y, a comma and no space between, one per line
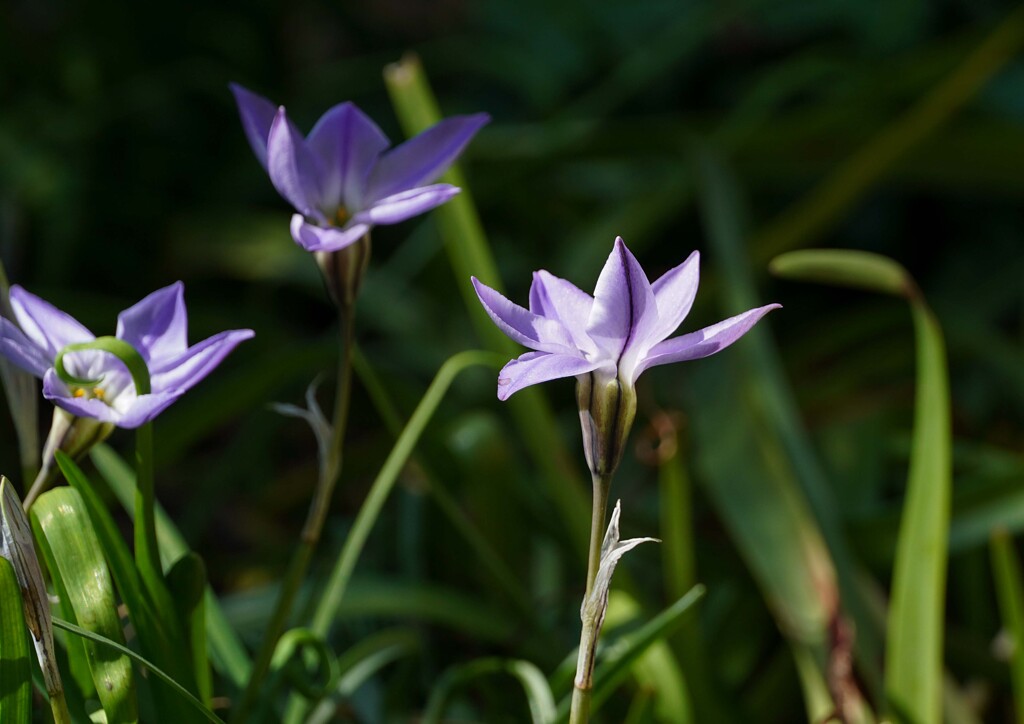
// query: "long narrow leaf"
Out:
[73,554]
[470,255]
[15,666]
[148,665]
[538,693]
[16,546]
[913,672]
[1010,589]
[226,650]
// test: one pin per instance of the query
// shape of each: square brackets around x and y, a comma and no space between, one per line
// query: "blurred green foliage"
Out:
[894,127]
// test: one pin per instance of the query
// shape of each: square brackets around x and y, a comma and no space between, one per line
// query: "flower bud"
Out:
[343,270]
[607,408]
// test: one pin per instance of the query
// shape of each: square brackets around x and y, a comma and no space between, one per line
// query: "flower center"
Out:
[91,393]
[340,216]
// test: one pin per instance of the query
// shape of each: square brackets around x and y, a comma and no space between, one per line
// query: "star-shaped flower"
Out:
[617,334]
[155,327]
[339,178]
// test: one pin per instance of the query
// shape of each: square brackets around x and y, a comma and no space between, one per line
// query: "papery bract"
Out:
[155,327]
[341,178]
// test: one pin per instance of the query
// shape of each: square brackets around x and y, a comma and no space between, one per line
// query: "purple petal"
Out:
[522,326]
[257,116]
[674,293]
[22,351]
[46,325]
[422,159]
[58,393]
[704,342]
[292,167]
[319,238]
[346,143]
[556,298]
[157,326]
[128,411]
[401,206]
[144,408]
[180,373]
[624,310]
[535,367]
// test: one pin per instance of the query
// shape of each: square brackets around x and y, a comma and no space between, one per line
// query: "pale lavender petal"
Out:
[422,159]
[58,393]
[556,298]
[144,408]
[293,168]
[535,367]
[404,205]
[674,293]
[624,310]
[46,325]
[521,325]
[703,342]
[346,143]
[330,238]
[180,373]
[22,351]
[257,116]
[157,326]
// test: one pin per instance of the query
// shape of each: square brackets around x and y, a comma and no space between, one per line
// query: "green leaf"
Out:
[913,670]
[148,665]
[913,679]
[157,628]
[656,671]
[760,466]
[1010,591]
[859,269]
[74,555]
[15,666]
[187,583]
[226,650]
[469,253]
[538,693]
[16,546]
[616,659]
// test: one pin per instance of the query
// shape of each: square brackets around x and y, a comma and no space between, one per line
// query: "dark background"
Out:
[876,126]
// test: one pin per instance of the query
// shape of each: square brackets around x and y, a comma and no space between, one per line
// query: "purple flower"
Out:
[606,341]
[339,178]
[616,334]
[156,327]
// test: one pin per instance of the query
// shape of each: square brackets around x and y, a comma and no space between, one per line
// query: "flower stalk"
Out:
[330,470]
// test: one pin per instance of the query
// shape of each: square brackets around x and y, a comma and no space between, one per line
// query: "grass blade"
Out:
[74,557]
[1010,590]
[142,661]
[913,671]
[226,650]
[15,667]
[17,547]
[470,255]
[538,693]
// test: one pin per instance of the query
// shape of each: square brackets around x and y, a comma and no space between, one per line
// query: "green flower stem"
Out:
[147,550]
[311,531]
[602,484]
[579,713]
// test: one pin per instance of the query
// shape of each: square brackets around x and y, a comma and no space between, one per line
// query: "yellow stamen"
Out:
[341,216]
[79,392]
[98,393]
